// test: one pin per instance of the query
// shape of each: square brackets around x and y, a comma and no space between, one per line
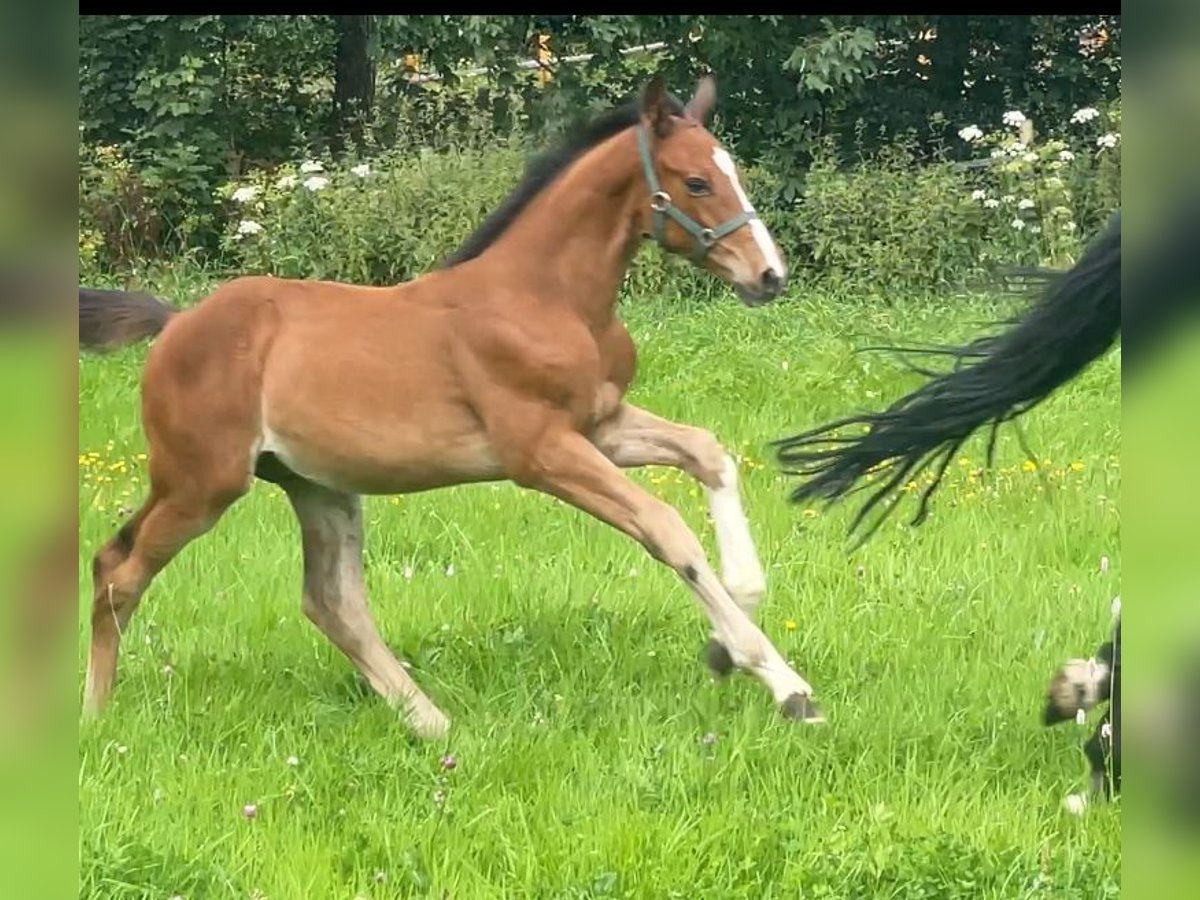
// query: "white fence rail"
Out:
[657,47]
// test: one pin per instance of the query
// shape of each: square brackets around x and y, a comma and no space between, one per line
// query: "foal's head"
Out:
[697,205]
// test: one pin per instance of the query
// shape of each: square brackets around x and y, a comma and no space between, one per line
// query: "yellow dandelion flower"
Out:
[1077,466]
[1029,466]
[141,456]
[810,513]
[790,624]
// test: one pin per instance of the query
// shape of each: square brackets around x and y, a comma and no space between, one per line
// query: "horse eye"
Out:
[697,187]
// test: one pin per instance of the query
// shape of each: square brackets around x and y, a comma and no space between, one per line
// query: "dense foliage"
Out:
[843,113]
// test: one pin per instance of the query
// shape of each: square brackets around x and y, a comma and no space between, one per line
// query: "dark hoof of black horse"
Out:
[718,659]
[800,708]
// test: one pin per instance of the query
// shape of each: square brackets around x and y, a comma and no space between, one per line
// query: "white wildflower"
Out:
[293,761]
[1024,203]
[1054,182]
[311,165]
[1030,157]
[248,226]
[1018,224]
[978,194]
[1068,226]
[1066,155]
[450,570]
[362,170]
[1084,115]
[1035,229]
[1013,118]
[1008,198]
[316,182]
[971,133]
[287,182]
[1108,140]
[991,203]
[999,152]
[245,194]
[1080,717]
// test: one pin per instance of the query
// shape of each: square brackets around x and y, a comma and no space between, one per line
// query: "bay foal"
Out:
[508,362]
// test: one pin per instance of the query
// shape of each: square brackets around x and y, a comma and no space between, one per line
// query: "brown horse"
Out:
[508,362]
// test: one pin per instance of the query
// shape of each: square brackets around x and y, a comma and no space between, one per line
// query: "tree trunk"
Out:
[354,79]
[951,56]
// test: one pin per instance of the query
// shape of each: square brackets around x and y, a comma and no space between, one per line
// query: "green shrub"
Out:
[133,209]
[373,223]
[390,220]
[885,227]
[890,224]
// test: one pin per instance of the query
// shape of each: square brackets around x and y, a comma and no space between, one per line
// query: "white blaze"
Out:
[762,237]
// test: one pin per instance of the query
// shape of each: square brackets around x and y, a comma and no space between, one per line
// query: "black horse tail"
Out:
[112,319]
[1076,318]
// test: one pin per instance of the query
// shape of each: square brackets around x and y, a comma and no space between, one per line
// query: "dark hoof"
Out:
[717,658]
[801,708]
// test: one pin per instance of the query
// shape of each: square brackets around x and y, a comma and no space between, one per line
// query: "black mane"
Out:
[544,168]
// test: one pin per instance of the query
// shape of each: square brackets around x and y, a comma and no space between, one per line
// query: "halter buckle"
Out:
[660,201]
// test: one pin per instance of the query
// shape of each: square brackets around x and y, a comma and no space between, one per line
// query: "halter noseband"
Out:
[662,206]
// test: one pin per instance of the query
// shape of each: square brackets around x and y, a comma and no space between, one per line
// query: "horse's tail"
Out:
[1076,318]
[112,319]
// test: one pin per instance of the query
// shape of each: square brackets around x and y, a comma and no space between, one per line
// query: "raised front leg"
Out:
[567,465]
[633,437]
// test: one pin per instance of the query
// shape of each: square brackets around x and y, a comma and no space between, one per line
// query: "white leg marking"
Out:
[762,237]
[1075,804]
[750,649]
[741,570]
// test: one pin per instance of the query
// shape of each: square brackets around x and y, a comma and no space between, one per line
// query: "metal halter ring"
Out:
[660,201]
[707,237]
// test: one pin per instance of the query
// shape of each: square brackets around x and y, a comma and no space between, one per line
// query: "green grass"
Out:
[568,661]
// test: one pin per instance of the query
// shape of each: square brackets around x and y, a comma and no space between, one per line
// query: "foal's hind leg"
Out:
[124,567]
[633,438]
[335,599]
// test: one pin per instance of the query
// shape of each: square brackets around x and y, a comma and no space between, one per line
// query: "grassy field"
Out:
[595,755]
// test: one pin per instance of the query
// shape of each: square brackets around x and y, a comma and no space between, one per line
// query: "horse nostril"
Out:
[771,282]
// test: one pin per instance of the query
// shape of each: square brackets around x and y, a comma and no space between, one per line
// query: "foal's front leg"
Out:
[633,437]
[568,466]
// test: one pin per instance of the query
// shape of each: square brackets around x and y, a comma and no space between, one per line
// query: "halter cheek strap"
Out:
[662,206]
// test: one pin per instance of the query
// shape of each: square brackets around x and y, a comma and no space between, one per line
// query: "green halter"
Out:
[662,206]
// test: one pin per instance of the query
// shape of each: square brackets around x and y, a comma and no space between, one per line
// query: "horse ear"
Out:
[701,105]
[654,106]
